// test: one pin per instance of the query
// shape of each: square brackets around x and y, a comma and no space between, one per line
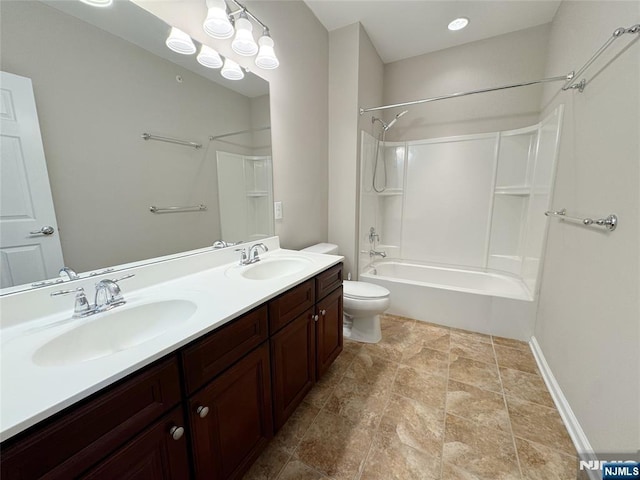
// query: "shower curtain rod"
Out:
[563,78]
[617,33]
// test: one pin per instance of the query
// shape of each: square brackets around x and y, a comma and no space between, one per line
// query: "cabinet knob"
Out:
[315,318]
[323,312]
[202,411]
[176,432]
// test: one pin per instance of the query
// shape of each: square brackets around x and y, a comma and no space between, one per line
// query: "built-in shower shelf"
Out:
[513,190]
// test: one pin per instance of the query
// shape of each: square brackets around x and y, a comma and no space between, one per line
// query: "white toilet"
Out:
[363,303]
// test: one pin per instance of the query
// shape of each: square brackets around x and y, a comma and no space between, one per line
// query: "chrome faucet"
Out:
[66,271]
[253,252]
[108,296]
[373,253]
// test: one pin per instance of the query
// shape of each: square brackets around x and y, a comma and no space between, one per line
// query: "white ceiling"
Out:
[401,29]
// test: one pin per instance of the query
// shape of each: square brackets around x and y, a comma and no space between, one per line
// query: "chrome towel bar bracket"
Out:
[610,222]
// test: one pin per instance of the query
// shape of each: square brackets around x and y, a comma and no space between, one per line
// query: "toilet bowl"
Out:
[363,303]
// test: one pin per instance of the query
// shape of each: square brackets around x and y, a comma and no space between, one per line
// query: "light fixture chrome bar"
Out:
[193,208]
[618,32]
[471,92]
[610,222]
[177,141]
[239,132]
[246,10]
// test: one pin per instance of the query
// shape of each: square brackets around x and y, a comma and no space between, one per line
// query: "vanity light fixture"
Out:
[217,23]
[231,70]
[98,3]
[180,42]
[458,24]
[208,57]
[266,56]
[243,43]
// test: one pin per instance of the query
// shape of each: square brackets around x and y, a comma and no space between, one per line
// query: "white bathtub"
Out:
[481,301]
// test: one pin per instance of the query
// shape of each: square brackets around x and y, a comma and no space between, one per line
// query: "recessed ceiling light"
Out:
[98,3]
[458,23]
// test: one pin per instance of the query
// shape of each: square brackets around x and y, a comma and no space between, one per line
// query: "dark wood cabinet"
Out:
[293,365]
[329,338]
[233,385]
[159,453]
[238,422]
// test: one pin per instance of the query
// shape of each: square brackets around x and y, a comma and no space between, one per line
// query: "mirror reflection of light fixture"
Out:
[98,3]
[180,42]
[458,24]
[231,70]
[208,57]
[243,43]
[266,56]
[217,23]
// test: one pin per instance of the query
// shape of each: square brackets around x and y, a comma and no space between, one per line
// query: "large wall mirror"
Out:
[101,78]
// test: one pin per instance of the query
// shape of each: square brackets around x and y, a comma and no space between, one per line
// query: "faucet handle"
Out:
[81,308]
[243,255]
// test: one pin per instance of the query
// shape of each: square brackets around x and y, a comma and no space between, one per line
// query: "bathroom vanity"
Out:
[204,409]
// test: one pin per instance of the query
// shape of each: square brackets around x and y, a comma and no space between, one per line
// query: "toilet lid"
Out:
[363,290]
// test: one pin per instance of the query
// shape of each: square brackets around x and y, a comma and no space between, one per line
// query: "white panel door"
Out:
[29,242]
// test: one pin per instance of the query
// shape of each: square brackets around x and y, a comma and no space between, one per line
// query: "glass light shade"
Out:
[98,3]
[217,24]
[231,70]
[266,56]
[458,23]
[208,57]
[180,42]
[243,43]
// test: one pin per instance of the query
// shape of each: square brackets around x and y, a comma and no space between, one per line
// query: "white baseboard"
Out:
[579,438]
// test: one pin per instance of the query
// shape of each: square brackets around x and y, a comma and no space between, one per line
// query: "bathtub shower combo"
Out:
[455,228]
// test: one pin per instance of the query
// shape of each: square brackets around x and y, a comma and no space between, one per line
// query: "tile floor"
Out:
[427,402]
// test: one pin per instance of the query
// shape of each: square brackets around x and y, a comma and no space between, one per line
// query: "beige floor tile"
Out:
[371,369]
[538,461]
[472,372]
[481,406]
[471,347]
[352,347]
[526,386]
[390,459]
[396,335]
[539,424]
[321,391]
[472,451]
[358,402]
[421,385]
[335,447]
[296,470]
[509,342]
[414,424]
[431,336]
[289,436]
[481,337]
[516,359]
[422,358]
[269,464]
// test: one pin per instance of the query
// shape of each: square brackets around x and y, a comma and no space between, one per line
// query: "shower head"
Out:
[392,122]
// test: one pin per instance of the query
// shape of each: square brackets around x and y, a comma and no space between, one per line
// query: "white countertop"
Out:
[31,392]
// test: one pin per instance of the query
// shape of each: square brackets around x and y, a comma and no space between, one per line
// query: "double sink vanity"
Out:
[190,378]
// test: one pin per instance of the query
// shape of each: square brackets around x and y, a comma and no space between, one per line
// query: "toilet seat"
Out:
[364,290]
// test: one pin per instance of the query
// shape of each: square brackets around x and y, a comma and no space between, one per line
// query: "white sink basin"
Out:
[270,268]
[110,332]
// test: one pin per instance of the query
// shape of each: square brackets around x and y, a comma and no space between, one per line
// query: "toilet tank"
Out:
[326,248]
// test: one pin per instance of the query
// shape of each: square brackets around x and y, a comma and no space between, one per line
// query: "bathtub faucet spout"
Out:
[373,253]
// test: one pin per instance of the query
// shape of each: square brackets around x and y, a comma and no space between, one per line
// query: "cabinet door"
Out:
[328,331]
[158,453]
[231,418]
[293,365]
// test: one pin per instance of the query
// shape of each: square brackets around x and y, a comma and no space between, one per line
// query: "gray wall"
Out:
[299,106]
[95,95]
[510,58]
[588,323]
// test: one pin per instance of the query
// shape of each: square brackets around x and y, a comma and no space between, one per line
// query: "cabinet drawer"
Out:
[328,281]
[82,437]
[210,356]
[291,304]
